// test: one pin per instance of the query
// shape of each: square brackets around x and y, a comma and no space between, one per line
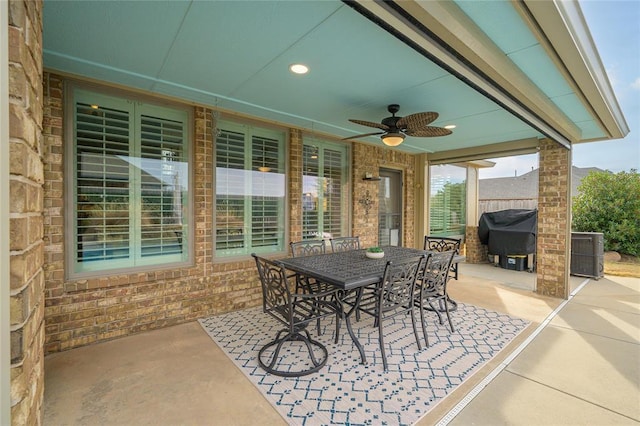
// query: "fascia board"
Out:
[497,150]
[416,32]
[460,33]
[563,25]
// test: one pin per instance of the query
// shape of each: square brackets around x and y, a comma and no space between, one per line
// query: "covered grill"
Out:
[509,233]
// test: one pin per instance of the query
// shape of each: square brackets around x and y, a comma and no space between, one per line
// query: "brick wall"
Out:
[295,185]
[475,251]
[553,220]
[369,159]
[81,312]
[26,179]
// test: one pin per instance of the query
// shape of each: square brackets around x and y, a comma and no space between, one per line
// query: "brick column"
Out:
[475,251]
[26,178]
[295,184]
[554,224]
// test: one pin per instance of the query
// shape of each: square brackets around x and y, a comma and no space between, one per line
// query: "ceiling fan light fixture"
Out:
[450,126]
[392,139]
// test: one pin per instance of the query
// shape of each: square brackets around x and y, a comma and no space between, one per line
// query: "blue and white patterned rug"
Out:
[348,393]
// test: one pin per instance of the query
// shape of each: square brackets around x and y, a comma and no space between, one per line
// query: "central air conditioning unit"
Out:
[587,254]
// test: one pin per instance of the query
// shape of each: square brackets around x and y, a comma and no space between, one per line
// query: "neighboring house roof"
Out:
[525,186]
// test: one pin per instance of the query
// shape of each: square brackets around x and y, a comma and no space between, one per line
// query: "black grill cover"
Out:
[509,232]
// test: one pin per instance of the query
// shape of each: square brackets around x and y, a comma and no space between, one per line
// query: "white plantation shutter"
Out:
[312,193]
[325,203]
[162,152]
[265,208]
[230,183]
[250,190]
[131,184]
[334,174]
[102,218]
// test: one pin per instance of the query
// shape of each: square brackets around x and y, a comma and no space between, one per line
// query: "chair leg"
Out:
[279,342]
[415,328]
[338,318]
[381,339]
[424,327]
[436,310]
[310,344]
[446,309]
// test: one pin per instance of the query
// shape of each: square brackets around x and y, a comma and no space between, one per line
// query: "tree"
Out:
[447,211]
[610,203]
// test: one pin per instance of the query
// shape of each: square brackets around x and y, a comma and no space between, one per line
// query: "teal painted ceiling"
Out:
[235,55]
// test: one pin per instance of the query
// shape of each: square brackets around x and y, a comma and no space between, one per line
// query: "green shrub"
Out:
[610,203]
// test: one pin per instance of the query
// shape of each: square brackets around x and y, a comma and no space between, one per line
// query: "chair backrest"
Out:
[307,248]
[398,283]
[436,272]
[345,244]
[441,244]
[276,293]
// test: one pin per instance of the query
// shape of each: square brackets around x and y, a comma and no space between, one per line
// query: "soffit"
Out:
[234,56]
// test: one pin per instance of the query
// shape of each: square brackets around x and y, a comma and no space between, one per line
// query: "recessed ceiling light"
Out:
[450,126]
[298,68]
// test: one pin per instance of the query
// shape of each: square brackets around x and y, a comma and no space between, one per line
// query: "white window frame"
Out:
[439,176]
[321,148]
[136,262]
[235,233]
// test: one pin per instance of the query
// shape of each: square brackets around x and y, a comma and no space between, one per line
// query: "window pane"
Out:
[265,205]
[131,184]
[333,173]
[325,203]
[102,184]
[250,190]
[230,183]
[311,193]
[163,176]
[447,208]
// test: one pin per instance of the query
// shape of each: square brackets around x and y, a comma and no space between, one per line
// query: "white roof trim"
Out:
[389,16]
[566,30]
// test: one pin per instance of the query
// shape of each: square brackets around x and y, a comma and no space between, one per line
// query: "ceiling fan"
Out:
[395,129]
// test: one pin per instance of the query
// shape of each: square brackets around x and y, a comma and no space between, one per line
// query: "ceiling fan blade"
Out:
[417,120]
[370,124]
[363,135]
[429,131]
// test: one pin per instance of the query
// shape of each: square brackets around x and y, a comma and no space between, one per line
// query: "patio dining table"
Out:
[350,271]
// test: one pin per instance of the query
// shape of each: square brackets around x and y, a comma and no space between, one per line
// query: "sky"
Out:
[615,29]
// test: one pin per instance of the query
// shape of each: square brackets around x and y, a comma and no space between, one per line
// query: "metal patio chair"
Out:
[305,284]
[344,243]
[307,247]
[431,288]
[441,244]
[295,311]
[393,296]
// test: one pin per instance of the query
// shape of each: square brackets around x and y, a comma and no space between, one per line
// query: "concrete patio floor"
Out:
[581,368]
